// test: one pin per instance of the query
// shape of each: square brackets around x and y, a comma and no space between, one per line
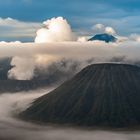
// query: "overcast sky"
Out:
[27,16]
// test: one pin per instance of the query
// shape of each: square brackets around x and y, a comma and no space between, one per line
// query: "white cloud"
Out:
[28,56]
[110,30]
[100,28]
[13,29]
[135,37]
[11,42]
[55,30]
[82,39]
[23,68]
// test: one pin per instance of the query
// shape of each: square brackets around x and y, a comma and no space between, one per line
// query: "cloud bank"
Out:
[56,42]
[31,56]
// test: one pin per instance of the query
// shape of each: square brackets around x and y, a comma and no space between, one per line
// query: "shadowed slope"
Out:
[104,37]
[101,94]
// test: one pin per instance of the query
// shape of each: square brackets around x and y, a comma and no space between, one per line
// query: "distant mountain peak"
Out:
[104,37]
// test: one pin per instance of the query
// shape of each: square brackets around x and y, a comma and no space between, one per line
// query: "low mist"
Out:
[16,129]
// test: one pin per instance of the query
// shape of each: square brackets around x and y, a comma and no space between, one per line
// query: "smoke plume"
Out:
[23,68]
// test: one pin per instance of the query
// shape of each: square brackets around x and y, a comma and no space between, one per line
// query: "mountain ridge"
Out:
[104,37]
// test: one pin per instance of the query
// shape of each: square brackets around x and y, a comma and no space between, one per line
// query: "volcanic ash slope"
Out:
[100,95]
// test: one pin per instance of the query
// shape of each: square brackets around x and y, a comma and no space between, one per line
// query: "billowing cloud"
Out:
[100,28]
[110,30]
[23,68]
[55,30]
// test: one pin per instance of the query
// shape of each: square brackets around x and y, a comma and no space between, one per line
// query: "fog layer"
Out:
[15,129]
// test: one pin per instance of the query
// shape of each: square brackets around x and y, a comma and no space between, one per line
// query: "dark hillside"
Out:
[101,94]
